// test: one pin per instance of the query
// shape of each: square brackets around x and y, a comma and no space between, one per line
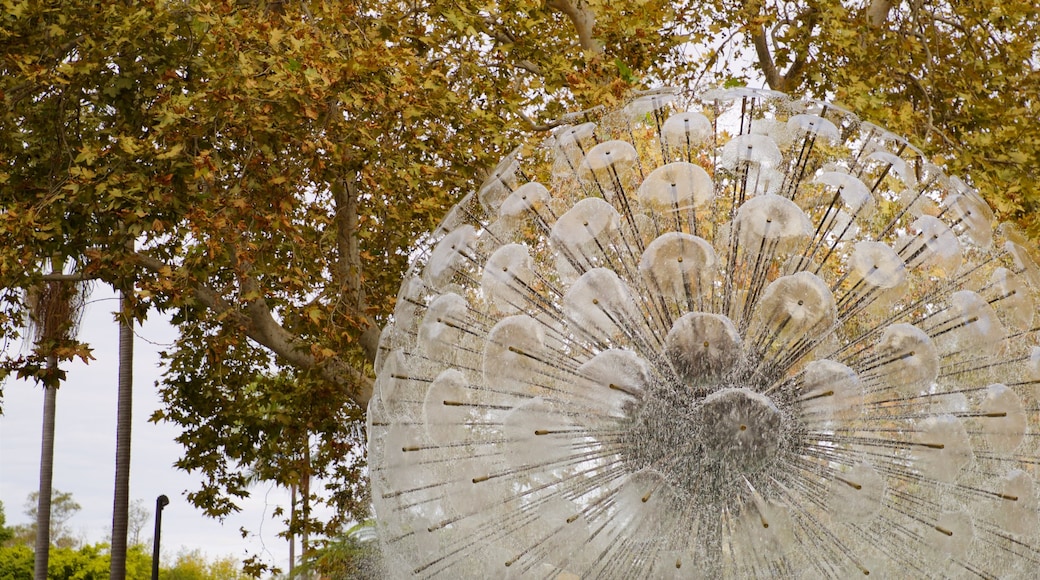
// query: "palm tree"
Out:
[56,307]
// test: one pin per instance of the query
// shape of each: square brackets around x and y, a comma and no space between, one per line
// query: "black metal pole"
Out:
[160,502]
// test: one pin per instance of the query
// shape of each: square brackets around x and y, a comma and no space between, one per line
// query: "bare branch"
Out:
[714,57]
[492,29]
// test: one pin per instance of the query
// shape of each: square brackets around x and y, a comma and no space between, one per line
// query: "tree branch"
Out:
[535,126]
[801,59]
[348,262]
[265,330]
[345,195]
[492,29]
[765,59]
[260,326]
[877,12]
[784,81]
[74,277]
[583,19]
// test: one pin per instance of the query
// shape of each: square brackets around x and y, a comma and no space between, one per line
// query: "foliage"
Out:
[262,169]
[283,432]
[348,556]
[193,565]
[89,562]
[960,78]
[6,533]
[16,562]
[92,561]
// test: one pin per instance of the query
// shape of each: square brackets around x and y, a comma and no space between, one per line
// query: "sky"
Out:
[84,450]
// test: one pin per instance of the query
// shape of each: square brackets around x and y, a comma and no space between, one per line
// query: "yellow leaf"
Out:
[129,145]
[171,152]
[276,37]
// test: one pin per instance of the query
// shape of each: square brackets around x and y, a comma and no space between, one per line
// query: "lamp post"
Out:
[160,502]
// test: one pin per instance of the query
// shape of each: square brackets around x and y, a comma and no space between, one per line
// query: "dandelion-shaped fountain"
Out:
[748,337]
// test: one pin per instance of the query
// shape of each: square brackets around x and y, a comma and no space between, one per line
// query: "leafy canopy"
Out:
[960,79]
[261,171]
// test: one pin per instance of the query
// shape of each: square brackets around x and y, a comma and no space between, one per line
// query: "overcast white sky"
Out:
[84,450]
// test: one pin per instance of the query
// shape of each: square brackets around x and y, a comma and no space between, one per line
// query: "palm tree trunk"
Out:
[124,407]
[43,509]
[305,488]
[54,315]
[292,528]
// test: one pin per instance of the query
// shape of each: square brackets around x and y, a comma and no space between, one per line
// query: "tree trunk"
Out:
[43,509]
[292,533]
[124,407]
[305,489]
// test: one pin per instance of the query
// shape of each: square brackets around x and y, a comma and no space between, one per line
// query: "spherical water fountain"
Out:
[730,336]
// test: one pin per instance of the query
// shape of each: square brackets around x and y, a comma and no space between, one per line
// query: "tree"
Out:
[194,565]
[16,562]
[311,143]
[138,519]
[273,164]
[55,309]
[351,555]
[268,441]
[959,78]
[93,561]
[87,562]
[124,420]
[6,533]
[62,508]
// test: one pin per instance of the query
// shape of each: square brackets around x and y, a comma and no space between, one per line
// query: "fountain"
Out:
[726,336]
